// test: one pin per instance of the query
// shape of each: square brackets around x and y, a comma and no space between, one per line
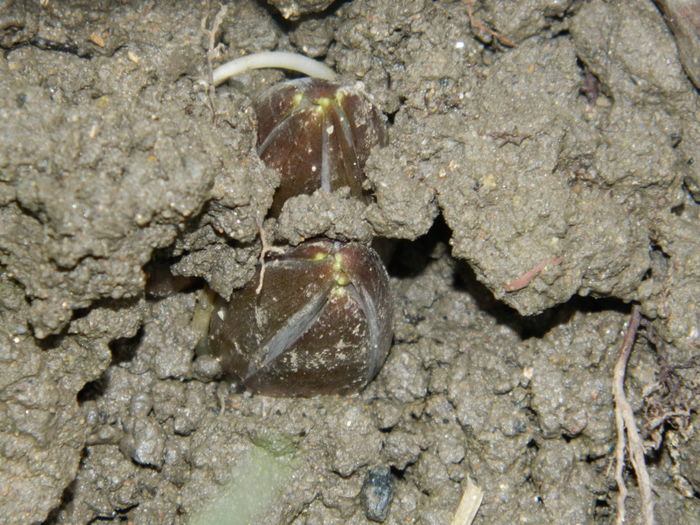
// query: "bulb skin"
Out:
[317,134]
[321,324]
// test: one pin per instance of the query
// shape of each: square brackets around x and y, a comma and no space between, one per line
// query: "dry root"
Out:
[628,438]
[478,25]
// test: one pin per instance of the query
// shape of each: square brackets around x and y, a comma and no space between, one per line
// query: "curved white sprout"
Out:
[273,59]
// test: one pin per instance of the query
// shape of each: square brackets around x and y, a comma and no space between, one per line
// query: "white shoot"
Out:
[273,59]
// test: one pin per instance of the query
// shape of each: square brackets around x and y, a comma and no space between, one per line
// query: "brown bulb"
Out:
[321,324]
[318,135]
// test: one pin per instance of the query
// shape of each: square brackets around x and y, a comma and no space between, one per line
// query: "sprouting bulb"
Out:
[321,323]
[317,134]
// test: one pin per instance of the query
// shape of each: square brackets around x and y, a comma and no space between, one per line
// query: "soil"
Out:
[533,192]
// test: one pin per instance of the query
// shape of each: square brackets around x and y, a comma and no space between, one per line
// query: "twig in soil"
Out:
[521,282]
[507,137]
[478,25]
[213,50]
[627,432]
[264,250]
[469,504]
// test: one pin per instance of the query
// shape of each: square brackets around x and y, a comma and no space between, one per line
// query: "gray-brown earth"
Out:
[579,147]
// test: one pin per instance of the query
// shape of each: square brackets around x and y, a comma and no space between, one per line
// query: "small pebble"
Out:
[377,492]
